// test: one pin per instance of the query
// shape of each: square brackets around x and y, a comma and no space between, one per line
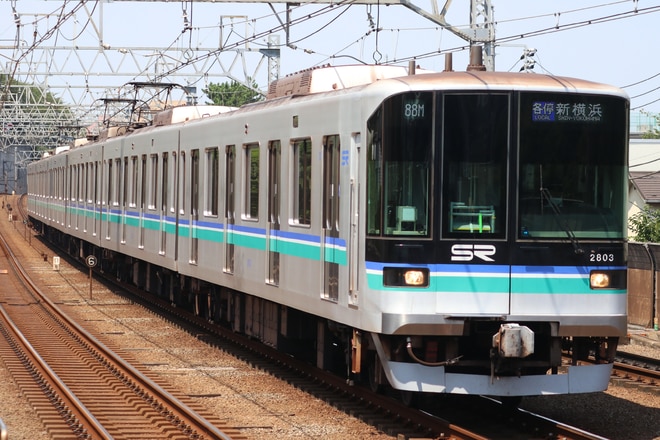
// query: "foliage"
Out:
[232,94]
[654,133]
[646,225]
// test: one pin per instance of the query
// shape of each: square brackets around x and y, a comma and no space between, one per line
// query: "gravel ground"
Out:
[265,407]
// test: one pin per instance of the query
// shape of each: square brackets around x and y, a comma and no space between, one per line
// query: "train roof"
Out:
[510,81]
[328,78]
[189,112]
[333,78]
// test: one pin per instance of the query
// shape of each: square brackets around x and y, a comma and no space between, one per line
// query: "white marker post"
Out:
[91,262]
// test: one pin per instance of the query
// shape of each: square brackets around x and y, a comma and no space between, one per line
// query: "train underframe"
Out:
[411,363]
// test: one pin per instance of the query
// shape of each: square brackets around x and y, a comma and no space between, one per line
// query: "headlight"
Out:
[414,278]
[608,279]
[599,280]
[405,277]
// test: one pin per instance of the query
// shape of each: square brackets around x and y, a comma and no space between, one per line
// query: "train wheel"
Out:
[510,403]
[410,398]
[374,373]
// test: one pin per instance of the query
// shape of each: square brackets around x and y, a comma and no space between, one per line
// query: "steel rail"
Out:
[181,410]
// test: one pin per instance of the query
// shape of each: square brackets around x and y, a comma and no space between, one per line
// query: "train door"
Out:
[354,206]
[163,204]
[330,231]
[109,197]
[274,176]
[98,205]
[143,196]
[87,194]
[475,141]
[71,176]
[230,213]
[194,204]
[124,199]
[113,233]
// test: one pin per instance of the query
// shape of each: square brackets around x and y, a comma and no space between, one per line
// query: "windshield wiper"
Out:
[545,194]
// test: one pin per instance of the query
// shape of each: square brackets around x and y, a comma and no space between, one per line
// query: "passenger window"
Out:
[212,176]
[251,182]
[302,184]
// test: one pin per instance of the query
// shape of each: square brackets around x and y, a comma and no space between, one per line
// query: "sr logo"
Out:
[467,252]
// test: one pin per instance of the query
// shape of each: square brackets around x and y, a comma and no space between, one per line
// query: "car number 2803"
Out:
[601,258]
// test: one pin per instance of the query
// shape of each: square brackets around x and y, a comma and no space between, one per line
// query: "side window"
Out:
[124,197]
[111,183]
[182,183]
[153,186]
[166,182]
[116,187]
[194,182]
[177,183]
[89,182]
[143,182]
[134,182]
[72,179]
[97,183]
[302,181]
[212,181]
[251,191]
[82,179]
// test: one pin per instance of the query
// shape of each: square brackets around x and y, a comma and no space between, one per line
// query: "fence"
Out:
[643,284]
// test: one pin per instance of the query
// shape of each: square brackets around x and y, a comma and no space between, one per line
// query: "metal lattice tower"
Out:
[52,93]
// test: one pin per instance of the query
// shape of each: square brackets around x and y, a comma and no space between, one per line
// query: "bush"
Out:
[646,225]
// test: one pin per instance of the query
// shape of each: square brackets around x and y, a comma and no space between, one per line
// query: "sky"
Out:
[613,42]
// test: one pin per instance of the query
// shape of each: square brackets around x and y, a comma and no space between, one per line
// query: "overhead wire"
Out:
[236,44]
[254,39]
[62,18]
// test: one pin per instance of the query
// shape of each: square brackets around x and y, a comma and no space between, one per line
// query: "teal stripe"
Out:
[211,235]
[470,284]
[299,249]
[333,255]
[250,241]
[558,286]
[499,285]
[443,283]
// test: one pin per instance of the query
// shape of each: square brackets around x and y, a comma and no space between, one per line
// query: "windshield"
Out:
[475,142]
[573,159]
[399,166]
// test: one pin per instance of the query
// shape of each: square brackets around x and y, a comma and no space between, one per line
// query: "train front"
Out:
[496,226]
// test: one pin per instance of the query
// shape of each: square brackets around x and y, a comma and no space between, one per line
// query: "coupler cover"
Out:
[514,341]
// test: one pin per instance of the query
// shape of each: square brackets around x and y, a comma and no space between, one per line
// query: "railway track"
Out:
[445,419]
[638,371]
[80,387]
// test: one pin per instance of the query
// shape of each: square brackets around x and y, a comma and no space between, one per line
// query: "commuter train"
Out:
[437,232]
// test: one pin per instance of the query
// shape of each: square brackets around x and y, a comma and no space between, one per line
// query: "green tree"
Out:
[232,94]
[654,133]
[646,225]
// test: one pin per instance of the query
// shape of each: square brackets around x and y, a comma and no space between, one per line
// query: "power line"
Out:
[641,81]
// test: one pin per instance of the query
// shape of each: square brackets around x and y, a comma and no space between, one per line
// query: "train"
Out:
[456,232]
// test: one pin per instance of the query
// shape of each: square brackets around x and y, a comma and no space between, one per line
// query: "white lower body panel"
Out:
[416,377]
